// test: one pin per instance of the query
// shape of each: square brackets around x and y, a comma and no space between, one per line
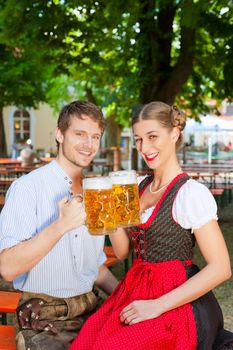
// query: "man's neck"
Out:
[73,171]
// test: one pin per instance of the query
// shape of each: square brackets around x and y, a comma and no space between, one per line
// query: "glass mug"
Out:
[126,198]
[99,205]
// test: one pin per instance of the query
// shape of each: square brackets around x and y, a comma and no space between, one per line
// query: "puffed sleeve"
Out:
[194,205]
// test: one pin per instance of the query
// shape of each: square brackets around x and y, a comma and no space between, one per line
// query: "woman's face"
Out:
[154,142]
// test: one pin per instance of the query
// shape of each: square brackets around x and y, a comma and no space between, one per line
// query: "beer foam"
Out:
[123,177]
[97,183]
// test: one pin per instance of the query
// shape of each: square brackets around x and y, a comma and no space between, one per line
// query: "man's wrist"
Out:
[59,227]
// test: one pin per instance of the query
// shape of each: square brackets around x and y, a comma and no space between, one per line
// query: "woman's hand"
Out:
[217,269]
[140,310]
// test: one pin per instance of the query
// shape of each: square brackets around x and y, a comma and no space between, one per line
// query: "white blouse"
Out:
[193,207]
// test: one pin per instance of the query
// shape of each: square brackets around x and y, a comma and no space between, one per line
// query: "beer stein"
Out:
[126,197]
[99,205]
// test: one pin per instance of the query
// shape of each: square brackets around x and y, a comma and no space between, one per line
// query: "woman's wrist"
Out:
[160,306]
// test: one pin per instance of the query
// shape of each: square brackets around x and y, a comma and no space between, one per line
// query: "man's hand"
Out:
[106,280]
[71,213]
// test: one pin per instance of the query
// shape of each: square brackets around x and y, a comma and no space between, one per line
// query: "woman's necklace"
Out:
[159,189]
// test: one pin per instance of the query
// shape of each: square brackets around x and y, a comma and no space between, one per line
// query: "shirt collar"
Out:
[60,172]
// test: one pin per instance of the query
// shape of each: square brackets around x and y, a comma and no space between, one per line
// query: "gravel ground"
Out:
[224,292]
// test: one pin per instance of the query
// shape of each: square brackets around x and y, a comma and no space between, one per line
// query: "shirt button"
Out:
[76,236]
[66,178]
[70,182]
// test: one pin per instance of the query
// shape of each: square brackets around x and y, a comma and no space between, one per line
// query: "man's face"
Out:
[80,142]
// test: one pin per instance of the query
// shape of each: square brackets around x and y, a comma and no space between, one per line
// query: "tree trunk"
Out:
[113,131]
[113,151]
[161,80]
[3,150]
[182,70]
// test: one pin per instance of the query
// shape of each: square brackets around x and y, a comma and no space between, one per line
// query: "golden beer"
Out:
[126,198]
[99,205]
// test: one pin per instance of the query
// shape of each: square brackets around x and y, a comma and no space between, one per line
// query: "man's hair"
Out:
[79,109]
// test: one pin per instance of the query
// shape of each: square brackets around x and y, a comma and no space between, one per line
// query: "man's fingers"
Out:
[78,197]
[63,201]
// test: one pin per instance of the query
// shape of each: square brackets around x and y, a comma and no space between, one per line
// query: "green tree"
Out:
[22,82]
[123,53]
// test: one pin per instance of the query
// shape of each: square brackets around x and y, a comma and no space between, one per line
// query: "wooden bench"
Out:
[218,195]
[2,200]
[216,191]
[7,338]
[8,304]
[111,257]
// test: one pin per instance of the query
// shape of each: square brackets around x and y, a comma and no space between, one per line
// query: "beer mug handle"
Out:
[78,196]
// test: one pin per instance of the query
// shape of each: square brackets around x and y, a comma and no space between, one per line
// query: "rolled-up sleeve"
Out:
[18,217]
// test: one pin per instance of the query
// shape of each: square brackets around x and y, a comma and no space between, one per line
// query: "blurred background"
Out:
[119,55]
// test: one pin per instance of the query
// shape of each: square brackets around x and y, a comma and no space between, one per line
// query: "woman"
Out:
[164,301]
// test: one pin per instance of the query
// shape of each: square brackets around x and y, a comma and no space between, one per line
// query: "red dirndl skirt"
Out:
[173,330]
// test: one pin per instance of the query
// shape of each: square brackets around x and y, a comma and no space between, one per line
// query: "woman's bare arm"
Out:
[216,271]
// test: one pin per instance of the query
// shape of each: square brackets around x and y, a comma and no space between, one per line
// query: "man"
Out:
[28,156]
[45,247]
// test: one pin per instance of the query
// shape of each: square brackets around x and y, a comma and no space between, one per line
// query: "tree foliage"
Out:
[24,75]
[123,53]
[22,82]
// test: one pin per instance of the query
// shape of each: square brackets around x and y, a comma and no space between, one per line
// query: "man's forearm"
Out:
[24,256]
[106,280]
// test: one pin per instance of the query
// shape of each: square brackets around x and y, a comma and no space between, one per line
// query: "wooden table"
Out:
[47,159]
[210,171]
[10,161]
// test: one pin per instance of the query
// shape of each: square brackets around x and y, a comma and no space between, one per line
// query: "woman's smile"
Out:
[151,157]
